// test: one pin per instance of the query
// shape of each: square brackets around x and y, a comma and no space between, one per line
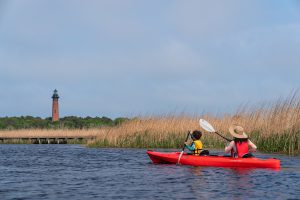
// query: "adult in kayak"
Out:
[196,146]
[240,144]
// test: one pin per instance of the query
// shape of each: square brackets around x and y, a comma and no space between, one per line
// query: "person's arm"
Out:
[229,147]
[252,145]
[191,147]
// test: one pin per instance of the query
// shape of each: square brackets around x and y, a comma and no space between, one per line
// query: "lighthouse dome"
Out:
[55,95]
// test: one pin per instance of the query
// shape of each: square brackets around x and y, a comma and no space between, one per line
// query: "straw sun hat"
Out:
[237,131]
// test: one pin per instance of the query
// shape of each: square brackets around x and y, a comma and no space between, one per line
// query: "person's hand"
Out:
[187,143]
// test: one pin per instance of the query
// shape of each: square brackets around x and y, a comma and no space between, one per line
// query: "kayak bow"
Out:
[212,161]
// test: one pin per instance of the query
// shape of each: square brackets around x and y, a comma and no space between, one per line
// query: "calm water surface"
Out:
[76,172]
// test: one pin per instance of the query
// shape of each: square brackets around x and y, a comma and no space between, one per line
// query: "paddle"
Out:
[187,137]
[209,128]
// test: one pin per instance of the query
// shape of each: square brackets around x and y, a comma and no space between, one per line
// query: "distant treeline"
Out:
[70,122]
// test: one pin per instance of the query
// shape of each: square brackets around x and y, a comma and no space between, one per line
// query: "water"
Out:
[75,172]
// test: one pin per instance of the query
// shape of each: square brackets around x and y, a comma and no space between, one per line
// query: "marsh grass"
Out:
[273,127]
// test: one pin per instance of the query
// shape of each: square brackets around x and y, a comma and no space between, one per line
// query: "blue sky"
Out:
[122,58]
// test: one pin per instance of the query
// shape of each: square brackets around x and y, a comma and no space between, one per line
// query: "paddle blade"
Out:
[206,126]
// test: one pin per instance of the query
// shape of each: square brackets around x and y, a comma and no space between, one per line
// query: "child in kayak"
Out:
[240,143]
[196,146]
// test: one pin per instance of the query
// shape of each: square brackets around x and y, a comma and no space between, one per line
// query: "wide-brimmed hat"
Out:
[237,132]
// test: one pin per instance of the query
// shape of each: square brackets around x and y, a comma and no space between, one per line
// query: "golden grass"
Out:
[273,127]
[146,132]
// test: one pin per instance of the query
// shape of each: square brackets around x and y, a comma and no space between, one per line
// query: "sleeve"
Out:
[229,147]
[191,148]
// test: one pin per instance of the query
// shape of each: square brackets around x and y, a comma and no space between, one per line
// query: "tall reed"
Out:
[274,127]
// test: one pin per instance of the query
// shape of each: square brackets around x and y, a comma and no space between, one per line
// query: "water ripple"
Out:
[76,172]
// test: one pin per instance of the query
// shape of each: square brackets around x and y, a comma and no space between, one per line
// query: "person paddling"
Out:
[240,143]
[196,146]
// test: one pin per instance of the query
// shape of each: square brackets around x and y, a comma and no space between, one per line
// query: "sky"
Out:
[126,58]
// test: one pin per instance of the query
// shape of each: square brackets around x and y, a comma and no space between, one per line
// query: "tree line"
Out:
[69,122]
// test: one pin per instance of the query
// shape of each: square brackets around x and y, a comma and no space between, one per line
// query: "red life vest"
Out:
[241,148]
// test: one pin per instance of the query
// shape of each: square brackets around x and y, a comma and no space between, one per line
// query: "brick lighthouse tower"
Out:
[55,114]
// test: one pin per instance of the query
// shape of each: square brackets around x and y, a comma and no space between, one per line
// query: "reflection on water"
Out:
[76,172]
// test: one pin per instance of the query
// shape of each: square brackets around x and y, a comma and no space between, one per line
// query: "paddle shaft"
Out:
[223,136]
[208,127]
[187,137]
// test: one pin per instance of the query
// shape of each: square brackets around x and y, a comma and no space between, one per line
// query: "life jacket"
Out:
[241,147]
[198,147]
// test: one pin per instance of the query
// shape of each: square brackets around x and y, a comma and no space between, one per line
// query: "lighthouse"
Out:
[55,113]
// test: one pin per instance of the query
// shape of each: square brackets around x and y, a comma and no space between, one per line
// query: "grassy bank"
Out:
[161,132]
[274,127]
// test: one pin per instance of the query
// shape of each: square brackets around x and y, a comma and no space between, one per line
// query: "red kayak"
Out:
[212,161]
